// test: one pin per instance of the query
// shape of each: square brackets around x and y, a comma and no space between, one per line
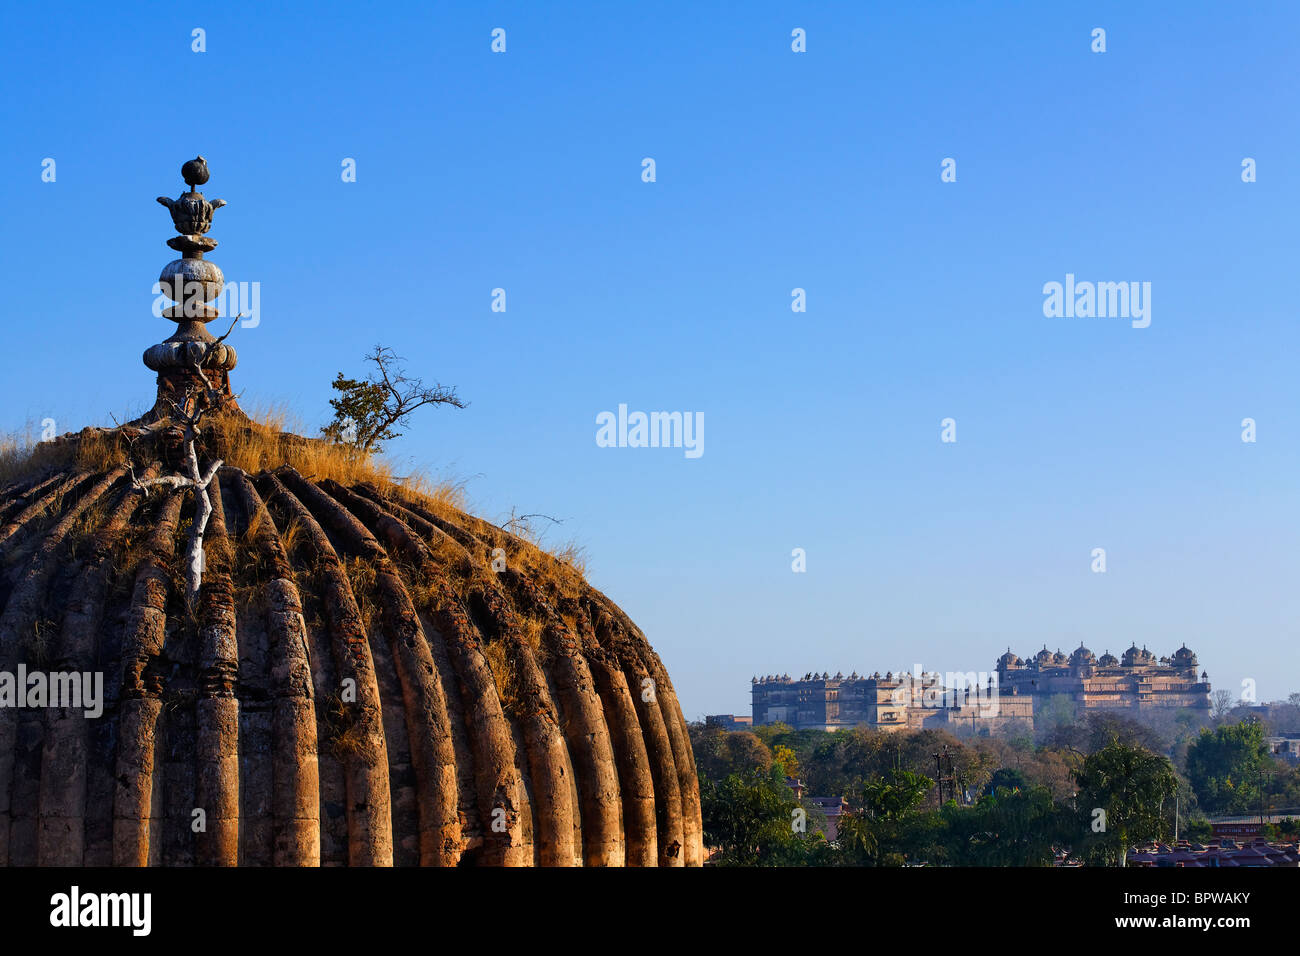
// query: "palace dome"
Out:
[1184,657]
[1009,660]
[1134,657]
[365,674]
[1044,657]
[1081,656]
[1108,660]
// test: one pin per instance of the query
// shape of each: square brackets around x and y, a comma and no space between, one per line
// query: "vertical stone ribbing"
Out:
[365,754]
[18,625]
[586,731]
[61,808]
[216,790]
[663,766]
[501,796]
[49,498]
[295,793]
[500,789]
[424,703]
[547,758]
[674,723]
[679,735]
[683,758]
[636,780]
[135,824]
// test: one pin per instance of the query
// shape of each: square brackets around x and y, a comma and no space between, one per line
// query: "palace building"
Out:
[1138,682]
[900,701]
[1007,699]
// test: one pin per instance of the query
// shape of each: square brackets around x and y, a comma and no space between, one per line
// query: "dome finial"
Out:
[192,363]
[195,172]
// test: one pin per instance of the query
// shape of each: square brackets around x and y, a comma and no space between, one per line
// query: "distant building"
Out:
[889,702]
[1247,826]
[1230,853]
[729,721]
[832,808]
[1286,747]
[1137,683]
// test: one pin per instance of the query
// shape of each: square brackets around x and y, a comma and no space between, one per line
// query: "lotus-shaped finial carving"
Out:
[191,213]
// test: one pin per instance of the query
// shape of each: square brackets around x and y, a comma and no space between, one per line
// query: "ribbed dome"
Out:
[357,685]
[1135,658]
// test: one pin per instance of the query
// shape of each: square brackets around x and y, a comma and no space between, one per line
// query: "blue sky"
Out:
[775,170]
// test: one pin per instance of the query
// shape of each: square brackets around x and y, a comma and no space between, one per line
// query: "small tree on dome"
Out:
[368,411]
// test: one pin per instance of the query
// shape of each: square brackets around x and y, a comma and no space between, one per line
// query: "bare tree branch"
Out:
[524,519]
[200,482]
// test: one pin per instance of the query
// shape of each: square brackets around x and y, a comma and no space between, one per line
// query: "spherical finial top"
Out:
[195,172]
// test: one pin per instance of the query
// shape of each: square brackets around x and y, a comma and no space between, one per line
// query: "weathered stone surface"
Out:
[358,687]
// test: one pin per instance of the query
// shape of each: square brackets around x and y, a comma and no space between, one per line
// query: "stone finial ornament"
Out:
[195,172]
[192,361]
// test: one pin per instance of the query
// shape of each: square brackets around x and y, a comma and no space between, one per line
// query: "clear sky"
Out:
[775,170]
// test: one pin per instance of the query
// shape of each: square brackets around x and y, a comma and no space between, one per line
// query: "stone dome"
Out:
[1009,660]
[1108,660]
[357,684]
[1044,657]
[1184,657]
[302,662]
[1081,656]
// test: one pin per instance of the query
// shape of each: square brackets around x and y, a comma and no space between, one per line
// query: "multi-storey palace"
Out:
[1138,683]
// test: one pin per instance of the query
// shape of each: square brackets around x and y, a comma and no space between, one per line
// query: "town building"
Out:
[1222,852]
[729,721]
[1285,747]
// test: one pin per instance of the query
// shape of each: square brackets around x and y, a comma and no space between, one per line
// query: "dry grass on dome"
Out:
[267,440]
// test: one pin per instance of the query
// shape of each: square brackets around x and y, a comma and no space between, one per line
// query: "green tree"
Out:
[1130,785]
[785,757]
[750,818]
[367,412]
[1007,778]
[1223,767]
[1006,828]
[1199,830]
[894,796]
[719,752]
[1055,717]
[887,828]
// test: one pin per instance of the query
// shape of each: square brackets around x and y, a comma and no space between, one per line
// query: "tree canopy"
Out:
[1224,767]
